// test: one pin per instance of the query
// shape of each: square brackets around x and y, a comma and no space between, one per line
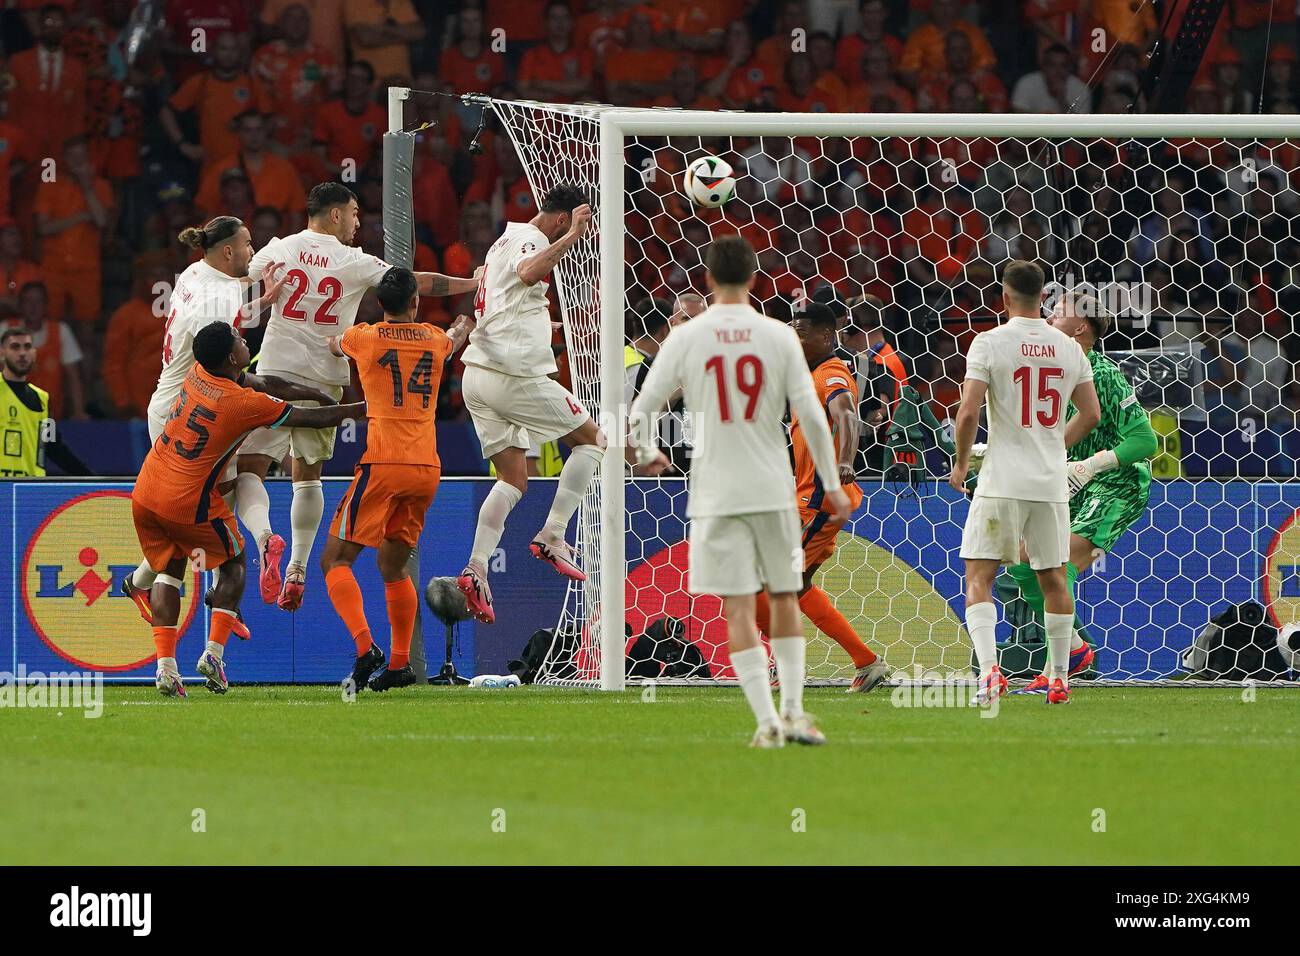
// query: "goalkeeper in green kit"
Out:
[1108,473]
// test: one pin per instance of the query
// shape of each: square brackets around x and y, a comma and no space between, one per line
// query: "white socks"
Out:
[751,670]
[789,653]
[1059,628]
[982,621]
[215,649]
[143,577]
[492,520]
[254,506]
[304,518]
[574,478]
[167,665]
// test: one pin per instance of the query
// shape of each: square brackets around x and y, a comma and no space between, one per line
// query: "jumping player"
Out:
[400,363]
[837,395]
[510,396]
[177,506]
[326,278]
[1027,370]
[737,369]
[1108,474]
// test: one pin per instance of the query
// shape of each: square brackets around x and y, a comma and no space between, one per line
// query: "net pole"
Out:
[613,571]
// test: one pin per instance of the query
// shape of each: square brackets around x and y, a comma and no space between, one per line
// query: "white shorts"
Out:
[996,526]
[307,444]
[156,427]
[743,554]
[510,411]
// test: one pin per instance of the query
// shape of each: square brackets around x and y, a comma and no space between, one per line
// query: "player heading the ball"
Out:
[737,369]
[1027,371]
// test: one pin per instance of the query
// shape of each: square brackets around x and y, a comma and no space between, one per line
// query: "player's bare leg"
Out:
[587,449]
[749,661]
[1058,619]
[165,601]
[225,598]
[254,506]
[399,594]
[981,622]
[336,562]
[305,515]
[790,650]
[512,481]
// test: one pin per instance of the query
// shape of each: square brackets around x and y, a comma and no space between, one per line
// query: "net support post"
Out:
[613,571]
[397,97]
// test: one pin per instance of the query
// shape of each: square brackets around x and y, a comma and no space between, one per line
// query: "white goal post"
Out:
[589,144]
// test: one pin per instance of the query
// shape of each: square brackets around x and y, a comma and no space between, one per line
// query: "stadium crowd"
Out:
[120,128]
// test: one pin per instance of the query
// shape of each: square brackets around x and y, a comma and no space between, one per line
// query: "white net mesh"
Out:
[1190,243]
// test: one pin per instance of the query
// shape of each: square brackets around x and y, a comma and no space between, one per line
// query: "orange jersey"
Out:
[179,477]
[400,367]
[831,378]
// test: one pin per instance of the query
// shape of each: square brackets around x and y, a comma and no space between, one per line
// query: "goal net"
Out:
[1179,227]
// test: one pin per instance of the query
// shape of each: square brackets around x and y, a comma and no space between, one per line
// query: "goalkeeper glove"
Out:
[1079,473]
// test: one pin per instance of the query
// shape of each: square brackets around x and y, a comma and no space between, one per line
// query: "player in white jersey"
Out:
[737,369]
[512,398]
[1028,371]
[324,281]
[209,290]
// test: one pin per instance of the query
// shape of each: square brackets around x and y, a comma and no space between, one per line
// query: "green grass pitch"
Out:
[428,776]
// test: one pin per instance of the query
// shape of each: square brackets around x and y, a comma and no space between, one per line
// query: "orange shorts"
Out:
[162,540]
[386,502]
[819,533]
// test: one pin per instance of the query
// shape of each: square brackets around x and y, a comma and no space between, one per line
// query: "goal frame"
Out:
[616,124]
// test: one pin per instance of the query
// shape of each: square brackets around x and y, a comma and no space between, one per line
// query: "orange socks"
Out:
[816,604]
[763,613]
[223,624]
[345,595]
[164,641]
[402,603]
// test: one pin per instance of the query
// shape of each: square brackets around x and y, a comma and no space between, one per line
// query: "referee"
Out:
[24,410]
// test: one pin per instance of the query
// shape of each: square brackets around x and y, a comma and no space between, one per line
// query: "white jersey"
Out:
[512,332]
[324,285]
[203,295]
[737,369]
[1031,370]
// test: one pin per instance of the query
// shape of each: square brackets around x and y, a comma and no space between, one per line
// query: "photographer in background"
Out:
[647,325]
[881,375]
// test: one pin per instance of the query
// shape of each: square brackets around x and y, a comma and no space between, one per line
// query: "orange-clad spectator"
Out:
[15,154]
[1059,21]
[273,179]
[1230,89]
[434,200]
[557,69]
[217,96]
[134,341]
[739,79]
[871,32]
[74,212]
[601,29]
[235,194]
[16,271]
[476,236]
[380,33]
[193,27]
[804,92]
[685,92]
[821,50]
[523,20]
[326,24]
[470,64]
[941,233]
[700,26]
[640,69]
[773,52]
[876,90]
[296,74]
[48,98]
[351,129]
[1126,22]
[266,224]
[116,111]
[504,187]
[58,354]
[924,51]
[932,94]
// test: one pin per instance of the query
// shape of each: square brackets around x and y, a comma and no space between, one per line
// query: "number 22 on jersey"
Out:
[330,290]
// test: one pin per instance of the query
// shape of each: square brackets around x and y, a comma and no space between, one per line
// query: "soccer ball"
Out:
[709,181]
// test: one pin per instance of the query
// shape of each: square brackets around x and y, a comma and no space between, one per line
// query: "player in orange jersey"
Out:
[838,393]
[177,505]
[399,361]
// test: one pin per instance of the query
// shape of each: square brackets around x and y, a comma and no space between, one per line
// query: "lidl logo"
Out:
[1281,583]
[72,577]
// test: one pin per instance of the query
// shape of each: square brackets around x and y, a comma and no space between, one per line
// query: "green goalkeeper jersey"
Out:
[1124,427]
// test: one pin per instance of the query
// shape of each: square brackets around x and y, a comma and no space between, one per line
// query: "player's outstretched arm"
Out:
[845,429]
[285,390]
[329,417]
[435,283]
[536,268]
[966,424]
[1087,413]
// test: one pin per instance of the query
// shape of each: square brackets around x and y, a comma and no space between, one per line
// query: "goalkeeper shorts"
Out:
[1102,516]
